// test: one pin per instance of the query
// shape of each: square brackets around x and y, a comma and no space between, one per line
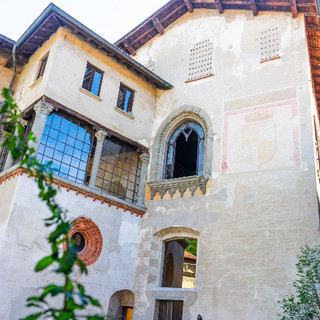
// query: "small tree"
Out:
[305,304]
[71,296]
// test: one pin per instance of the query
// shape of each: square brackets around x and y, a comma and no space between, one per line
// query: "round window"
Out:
[87,238]
[79,241]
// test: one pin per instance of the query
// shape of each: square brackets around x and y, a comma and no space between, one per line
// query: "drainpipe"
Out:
[14,66]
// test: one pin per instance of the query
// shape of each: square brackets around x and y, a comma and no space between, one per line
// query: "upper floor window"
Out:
[68,145]
[92,79]
[125,98]
[185,151]
[42,66]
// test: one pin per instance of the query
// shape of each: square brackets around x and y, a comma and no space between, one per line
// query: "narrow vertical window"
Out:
[92,79]
[179,263]
[125,98]
[42,66]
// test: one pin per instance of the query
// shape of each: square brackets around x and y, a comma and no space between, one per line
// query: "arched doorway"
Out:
[121,305]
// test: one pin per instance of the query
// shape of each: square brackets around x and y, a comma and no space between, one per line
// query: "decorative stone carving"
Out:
[43,108]
[101,135]
[145,157]
[180,184]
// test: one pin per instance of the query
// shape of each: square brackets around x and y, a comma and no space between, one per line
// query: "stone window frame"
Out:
[157,183]
[169,234]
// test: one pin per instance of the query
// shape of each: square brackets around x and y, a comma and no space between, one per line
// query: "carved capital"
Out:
[43,108]
[101,135]
[145,157]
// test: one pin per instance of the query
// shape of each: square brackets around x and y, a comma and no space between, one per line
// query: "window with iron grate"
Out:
[200,62]
[119,170]
[68,145]
[269,44]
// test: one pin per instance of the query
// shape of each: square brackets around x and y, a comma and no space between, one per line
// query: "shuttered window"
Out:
[125,98]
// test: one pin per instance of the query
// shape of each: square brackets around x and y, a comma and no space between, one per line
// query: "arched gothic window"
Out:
[185,151]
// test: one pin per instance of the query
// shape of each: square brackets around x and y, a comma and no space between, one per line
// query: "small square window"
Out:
[42,66]
[125,98]
[92,79]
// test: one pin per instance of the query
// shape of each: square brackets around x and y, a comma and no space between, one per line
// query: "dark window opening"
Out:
[179,263]
[67,146]
[125,98]
[119,170]
[79,241]
[169,310]
[42,67]
[92,79]
[185,152]
[185,164]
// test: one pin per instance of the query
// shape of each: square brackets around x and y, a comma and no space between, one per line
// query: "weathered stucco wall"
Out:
[24,244]
[261,204]
[6,74]
[26,87]
[70,63]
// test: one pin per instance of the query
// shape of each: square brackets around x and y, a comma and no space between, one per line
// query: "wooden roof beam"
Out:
[157,25]
[129,47]
[254,7]
[294,8]
[219,6]
[188,5]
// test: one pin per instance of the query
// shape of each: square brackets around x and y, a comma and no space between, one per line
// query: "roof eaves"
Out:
[159,82]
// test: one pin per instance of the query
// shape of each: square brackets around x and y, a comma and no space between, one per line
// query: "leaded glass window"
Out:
[185,151]
[67,144]
[119,170]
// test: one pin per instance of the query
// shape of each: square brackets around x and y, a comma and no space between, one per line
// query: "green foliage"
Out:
[192,248]
[62,261]
[305,304]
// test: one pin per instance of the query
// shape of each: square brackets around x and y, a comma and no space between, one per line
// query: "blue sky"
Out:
[110,19]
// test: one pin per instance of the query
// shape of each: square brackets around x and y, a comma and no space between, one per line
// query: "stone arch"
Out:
[118,301]
[176,232]
[169,125]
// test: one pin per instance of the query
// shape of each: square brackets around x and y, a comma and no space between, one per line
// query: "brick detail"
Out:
[93,239]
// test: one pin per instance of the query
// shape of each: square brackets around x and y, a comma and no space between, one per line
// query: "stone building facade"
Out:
[199,124]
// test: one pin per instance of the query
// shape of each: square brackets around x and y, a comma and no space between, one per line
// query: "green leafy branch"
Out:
[74,296]
[305,304]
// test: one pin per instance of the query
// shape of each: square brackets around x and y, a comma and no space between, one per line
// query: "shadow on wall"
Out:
[121,305]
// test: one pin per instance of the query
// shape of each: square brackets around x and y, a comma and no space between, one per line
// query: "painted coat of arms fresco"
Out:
[261,137]
[259,143]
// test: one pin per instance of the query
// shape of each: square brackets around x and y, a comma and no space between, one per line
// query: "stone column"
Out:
[42,110]
[10,161]
[143,178]
[100,135]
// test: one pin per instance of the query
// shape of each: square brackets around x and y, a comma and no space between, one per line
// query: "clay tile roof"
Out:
[189,255]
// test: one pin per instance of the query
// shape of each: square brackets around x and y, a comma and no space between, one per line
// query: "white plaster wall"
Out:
[26,89]
[24,244]
[251,224]
[66,80]
[5,74]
